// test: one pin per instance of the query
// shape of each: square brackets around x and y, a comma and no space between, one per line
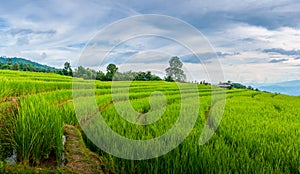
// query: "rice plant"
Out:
[259,132]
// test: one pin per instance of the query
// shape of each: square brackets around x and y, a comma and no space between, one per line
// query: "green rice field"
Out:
[259,131]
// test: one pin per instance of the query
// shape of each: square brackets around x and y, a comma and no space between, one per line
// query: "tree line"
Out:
[173,73]
[112,73]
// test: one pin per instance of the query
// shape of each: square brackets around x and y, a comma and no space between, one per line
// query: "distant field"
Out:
[259,132]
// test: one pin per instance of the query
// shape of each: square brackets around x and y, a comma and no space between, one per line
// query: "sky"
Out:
[256,42]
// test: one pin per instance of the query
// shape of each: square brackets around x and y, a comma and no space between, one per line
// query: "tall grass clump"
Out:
[8,111]
[38,131]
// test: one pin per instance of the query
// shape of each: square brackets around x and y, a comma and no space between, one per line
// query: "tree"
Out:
[80,71]
[175,72]
[4,66]
[140,76]
[111,70]
[100,76]
[27,67]
[125,76]
[148,75]
[9,61]
[67,69]
[15,66]
[169,79]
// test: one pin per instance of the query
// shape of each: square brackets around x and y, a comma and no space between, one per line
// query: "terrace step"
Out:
[79,159]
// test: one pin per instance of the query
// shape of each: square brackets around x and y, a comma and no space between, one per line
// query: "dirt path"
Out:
[79,159]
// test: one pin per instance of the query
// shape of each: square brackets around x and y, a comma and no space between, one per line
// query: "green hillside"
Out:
[22,61]
[259,132]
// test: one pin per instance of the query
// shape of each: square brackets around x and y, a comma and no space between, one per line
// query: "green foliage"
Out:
[238,86]
[137,76]
[24,65]
[27,67]
[111,70]
[146,76]
[1,165]
[87,73]
[67,71]
[5,66]
[15,66]
[169,79]
[174,71]
[8,61]
[38,131]
[100,76]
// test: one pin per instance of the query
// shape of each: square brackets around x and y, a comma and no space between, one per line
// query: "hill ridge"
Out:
[20,60]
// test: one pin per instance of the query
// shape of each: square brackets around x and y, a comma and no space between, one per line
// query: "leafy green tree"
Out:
[59,72]
[29,67]
[85,73]
[111,70]
[169,79]
[148,75]
[15,66]
[80,71]
[100,76]
[5,66]
[125,76]
[90,74]
[140,76]
[67,69]
[238,85]
[174,71]
[9,61]
[155,78]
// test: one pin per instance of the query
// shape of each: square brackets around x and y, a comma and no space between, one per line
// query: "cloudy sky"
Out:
[255,41]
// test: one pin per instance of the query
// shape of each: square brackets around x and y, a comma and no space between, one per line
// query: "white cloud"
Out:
[52,32]
[243,37]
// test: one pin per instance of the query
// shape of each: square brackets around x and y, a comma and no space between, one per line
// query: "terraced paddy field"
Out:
[259,132]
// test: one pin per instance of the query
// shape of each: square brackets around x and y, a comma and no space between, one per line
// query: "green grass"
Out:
[259,132]
[38,131]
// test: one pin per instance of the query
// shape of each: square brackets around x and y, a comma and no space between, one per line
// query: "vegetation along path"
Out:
[79,159]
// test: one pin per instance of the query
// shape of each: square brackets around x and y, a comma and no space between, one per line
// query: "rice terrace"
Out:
[259,132]
[150,87]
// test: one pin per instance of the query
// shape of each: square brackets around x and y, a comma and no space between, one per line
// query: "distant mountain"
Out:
[287,87]
[25,61]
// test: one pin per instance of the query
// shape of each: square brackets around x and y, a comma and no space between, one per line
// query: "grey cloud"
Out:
[199,58]
[221,54]
[205,57]
[255,60]
[278,60]
[282,51]
[22,31]
[208,14]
